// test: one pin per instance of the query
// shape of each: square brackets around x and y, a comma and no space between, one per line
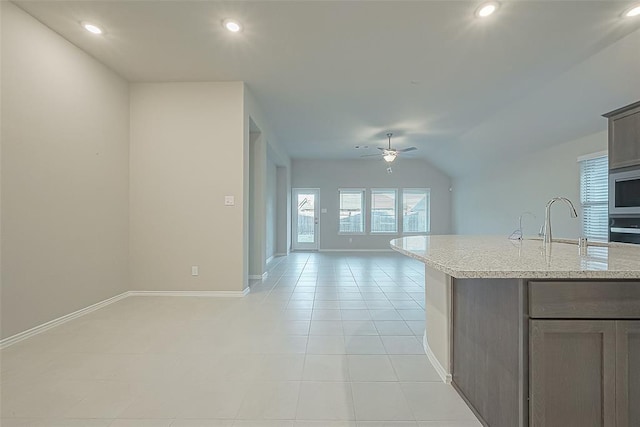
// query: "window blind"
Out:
[384,218]
[351,211]
[594,197]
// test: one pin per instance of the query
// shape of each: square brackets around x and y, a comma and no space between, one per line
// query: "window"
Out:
[384,218]
[594,174]
[351,211]
[384,211]
[415,210]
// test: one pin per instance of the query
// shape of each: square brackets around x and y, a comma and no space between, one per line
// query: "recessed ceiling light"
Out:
[634,11]
[486,9]
[92,28]
[232,25]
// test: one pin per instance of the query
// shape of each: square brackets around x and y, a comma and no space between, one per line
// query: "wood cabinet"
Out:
[624,136]
[584,373]
[490,331]
[548,353]
[584,353]
[579,299]
[572,381]
[628,373]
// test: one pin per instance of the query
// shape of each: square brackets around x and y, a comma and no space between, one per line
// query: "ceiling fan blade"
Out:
[404,150]
[382,148]
[371,155]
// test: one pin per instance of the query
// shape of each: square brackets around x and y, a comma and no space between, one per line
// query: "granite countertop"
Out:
[463,256]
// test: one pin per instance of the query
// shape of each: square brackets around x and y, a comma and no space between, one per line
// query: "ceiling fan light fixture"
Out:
[486,9]
[389,157]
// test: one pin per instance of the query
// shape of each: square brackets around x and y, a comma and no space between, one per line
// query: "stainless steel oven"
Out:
[626,230]
[624,192]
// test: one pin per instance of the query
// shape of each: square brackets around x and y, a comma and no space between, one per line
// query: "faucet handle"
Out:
[541,232]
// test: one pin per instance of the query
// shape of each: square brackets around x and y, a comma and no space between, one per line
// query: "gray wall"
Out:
[257,204]
[65,171]
[283,210]
[255,121]
[178,185]
[271,208]
[330,175]
[490,202]
[107,187]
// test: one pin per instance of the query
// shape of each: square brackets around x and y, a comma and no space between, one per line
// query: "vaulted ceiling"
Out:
[334,74]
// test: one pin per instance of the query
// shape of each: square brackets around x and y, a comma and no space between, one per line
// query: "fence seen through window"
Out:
[404,210]
[415,211]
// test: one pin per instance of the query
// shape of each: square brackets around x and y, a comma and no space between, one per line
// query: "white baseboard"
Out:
[444,376]
[269,259]
[356,250]
[280,254]
[59,321]
[232,294]
[66,318]
[258,276]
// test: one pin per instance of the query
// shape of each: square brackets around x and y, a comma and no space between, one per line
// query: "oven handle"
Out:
[626,230]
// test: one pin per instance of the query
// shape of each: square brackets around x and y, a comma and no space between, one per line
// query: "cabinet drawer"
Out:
[584,299]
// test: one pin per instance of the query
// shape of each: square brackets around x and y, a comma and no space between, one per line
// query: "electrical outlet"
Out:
[194,270]
[229,201]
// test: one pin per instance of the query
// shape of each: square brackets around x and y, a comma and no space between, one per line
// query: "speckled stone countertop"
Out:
[498,257]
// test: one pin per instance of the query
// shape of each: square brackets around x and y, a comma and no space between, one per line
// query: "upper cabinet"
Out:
[624,136]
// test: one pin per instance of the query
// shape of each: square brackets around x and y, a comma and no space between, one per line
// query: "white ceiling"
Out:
[334,74]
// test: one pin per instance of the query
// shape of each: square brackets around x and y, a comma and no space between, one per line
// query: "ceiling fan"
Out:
[389,154]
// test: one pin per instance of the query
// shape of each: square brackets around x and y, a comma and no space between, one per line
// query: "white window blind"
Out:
[594,196]
[351,211]
[384,218]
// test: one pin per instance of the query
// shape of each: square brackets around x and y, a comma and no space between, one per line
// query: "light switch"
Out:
[229,200]
[323,210]
[194,270]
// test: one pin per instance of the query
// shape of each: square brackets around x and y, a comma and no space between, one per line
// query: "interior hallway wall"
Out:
[65,171]
[255,119]
[257,205]
[283,210]
[271,207]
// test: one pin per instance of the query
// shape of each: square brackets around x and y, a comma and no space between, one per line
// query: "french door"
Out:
[306,202]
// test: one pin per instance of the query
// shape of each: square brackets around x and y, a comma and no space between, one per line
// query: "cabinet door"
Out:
[628,373]
[624,139]
[572,373]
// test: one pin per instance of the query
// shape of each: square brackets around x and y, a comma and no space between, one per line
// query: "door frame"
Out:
[315,246]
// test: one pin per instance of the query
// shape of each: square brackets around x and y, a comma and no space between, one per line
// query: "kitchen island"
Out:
[532,334]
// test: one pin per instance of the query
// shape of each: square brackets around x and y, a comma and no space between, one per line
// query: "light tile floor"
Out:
[327,340]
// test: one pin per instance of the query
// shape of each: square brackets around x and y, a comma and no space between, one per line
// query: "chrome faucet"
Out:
[546,236]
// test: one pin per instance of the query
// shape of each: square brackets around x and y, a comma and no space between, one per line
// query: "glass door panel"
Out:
[305,219]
